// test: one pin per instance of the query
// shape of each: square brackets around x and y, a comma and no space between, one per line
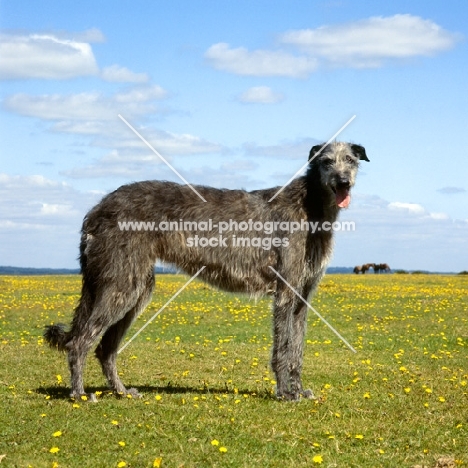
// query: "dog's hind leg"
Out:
[78,348]
[106,351]
[92,318]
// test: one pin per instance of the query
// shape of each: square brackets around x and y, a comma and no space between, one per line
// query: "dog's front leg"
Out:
[299,323]
[283,309]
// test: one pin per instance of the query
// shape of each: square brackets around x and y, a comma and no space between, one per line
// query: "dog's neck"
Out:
[319,201]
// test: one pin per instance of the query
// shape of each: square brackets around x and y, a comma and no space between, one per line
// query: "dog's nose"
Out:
[343,182]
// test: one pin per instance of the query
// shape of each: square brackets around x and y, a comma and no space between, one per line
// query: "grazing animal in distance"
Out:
[381,267]
[367,267]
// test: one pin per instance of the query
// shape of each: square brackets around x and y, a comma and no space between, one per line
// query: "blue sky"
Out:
[234,94]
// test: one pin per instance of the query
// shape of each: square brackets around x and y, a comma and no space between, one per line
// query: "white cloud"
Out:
[131,158]
[369,42]
[258,62]
[366,43]
[439,216]
[95,116]
[57,209]
[118,74]
[413,208]
[44,56]
[261,95]
[89,106]
[36,200]
[40,221]
[57,56]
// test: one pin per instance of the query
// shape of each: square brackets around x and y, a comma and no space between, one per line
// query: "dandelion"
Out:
[317,459]
[407,390]
[115,423]
[215,442]
[366,395]
[223,449]
[54,450]
[158,397]
[441,399]
[57,434]
[157,462]
[122,443]
[121,464]
[359,436]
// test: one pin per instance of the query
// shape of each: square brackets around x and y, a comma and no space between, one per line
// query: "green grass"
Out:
[202,367]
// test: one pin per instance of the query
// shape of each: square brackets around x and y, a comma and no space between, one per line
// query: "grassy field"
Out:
[202,366]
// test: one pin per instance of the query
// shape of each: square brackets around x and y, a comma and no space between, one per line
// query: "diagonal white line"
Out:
[313,310]
[313,157]
[160,157]
[161,309]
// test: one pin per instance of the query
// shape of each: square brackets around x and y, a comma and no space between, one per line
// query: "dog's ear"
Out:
[360,151]
[315,149]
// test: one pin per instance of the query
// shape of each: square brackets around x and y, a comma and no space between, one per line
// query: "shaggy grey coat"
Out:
[117,265]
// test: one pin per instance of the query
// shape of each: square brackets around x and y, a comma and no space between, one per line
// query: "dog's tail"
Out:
[56,336]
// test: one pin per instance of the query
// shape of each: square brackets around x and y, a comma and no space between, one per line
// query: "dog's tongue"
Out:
[343,198]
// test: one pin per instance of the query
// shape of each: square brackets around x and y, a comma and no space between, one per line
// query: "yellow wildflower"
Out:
[317,459]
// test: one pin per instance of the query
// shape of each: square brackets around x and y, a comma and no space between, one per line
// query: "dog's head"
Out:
[336,165]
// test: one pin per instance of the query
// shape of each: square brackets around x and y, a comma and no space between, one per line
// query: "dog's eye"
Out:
[350,159]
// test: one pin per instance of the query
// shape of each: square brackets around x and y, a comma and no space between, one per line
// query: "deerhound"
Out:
[117,265]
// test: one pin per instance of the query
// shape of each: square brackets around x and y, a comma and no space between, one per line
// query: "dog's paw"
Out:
[134,393]
[308,394]
[89,397]
[288,396]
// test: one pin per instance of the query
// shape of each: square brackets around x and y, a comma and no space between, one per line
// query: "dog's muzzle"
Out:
[342,193]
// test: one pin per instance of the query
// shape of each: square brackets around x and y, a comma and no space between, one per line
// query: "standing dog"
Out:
[117,265]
